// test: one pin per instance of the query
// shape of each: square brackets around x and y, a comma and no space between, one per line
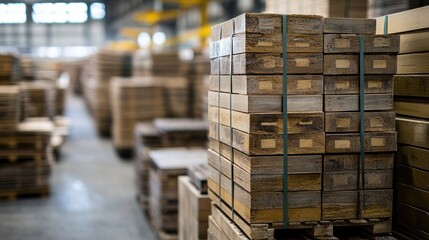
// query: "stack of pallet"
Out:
[200,69]
[10,97]
[133,100]
[326,8]
[26,158]
[246,120]
[104,65]
[171,71]
[167,165]
[27,68]
[38,99]
[329,182]
[412,107]
[344,168]
[163,133]
[9,69]
[194,204]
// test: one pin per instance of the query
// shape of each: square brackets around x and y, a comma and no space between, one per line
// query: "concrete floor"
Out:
[93,194]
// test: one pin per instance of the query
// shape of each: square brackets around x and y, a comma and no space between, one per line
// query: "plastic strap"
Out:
[362,115]
[230,120]
[285,124]
[386,24]
[218,120]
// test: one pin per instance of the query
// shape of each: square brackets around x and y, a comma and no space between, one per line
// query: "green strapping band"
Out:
[230,120]
[218,119]
[386,24]
[362,113]
[285,124]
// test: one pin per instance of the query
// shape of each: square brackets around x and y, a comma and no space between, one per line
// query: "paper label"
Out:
[268,143]
[375,179]
[265,85]
[381,42]
[342,144]
[302,62]
[343,122]
[378,142]
[342,85]
[375,84]
[268,124]
[379,64]
[305,123]
[305,143]
[266,23]
[340,180]
[342,43]
[342,63]
[376,122]
[304,84]
[264,43]
[303,45]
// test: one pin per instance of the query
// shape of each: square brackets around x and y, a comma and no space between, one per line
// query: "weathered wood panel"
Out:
[413,63]
[345,103]
[346,43]
[413,132]
[412,176]
[350,121]
[406,21]
[349,25]
[343,64]
[379,84]
[412,85]
[414,42]
[412,156]
[412,196]
[350,143]
[412,107]
[412,216]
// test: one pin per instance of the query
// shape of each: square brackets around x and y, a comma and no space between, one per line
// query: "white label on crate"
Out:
[342,63]
[379,64]
[305,143]
[304,84]
[302,62]
[268,143]
[343,122]
[342,144]
[265,85]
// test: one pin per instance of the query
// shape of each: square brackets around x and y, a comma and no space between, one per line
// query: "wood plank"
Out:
[413,132]
[412,176]
[413,63]
[412,216]
[414,42]
[272,23]
[379,84]
[265,103]
[350,142]
[412,196]
[270,63]
[349,25]
[412,156]
[345,103]
[412,107]
[411,85]
[406,21]
[350,121]
[346,43]
[348,180]
[226,225]
[378,203]
[350,162]
[336,64]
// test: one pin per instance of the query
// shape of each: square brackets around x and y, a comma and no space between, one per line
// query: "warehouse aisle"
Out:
[93,194]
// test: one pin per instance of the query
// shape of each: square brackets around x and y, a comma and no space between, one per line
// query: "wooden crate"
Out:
[9,107]
[194,209]
[167,165]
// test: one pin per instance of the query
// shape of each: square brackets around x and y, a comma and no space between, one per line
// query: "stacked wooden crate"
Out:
[10,98]
[194,204]
[246,120]
[38,99]
[25,160]
[9,69]
[411,103]
[329,183]
[104,65]
[133,100]
[163,133]
[344,168]
[326,8]
[200,69]
[167,165]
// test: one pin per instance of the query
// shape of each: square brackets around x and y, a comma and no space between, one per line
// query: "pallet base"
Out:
[15,195]
[125,153]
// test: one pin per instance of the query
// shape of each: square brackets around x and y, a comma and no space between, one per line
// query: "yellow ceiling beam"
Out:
[130,32]
[186,3]
[125,45]
[153,17]
[200,33]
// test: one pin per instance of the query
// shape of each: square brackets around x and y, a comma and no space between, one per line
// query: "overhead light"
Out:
[144,40]
[159,38]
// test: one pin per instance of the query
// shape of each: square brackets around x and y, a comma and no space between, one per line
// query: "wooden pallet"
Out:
[14,195]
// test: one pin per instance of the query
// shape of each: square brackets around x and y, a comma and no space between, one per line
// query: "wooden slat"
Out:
[338,43]
[379,84]
[412,216]
[414,157]
[373,102]
[414,42]
[349,121]
[413,63]
[412,107]
[412,176]
[350,143]
[349,25]
[412,85]
[406,21]
[413,196]
[413,132]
